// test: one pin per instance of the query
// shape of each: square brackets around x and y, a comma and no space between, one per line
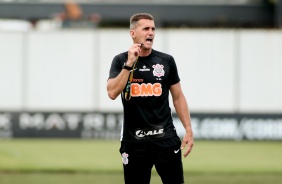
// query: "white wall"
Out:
[221,70]
[261,71]
[206,62]
[61,70]
[11,70]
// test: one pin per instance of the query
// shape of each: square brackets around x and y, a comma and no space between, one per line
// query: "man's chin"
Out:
[147,47]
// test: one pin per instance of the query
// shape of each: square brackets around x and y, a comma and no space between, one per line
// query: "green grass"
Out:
[117,178]
[33,161]
[54,155]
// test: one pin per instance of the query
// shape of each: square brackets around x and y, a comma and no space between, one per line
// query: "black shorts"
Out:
[139,158]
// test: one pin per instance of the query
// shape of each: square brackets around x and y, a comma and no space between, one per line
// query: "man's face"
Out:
[144,32]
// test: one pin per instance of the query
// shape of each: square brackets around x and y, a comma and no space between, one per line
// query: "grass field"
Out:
[34,161]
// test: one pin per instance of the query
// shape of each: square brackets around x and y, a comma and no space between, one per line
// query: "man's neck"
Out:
[145,52]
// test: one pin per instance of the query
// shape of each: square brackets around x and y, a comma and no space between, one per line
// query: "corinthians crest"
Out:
[158,70]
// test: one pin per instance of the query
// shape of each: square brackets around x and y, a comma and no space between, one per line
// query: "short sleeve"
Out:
[173,72]
[116,65]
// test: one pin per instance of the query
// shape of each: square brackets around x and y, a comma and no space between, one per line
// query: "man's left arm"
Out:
[182,110]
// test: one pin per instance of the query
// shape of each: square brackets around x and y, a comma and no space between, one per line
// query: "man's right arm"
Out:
[116,85]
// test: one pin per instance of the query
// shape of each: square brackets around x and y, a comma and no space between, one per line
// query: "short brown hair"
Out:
[138,16]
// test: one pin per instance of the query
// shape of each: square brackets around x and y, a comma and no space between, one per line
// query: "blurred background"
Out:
[55,59]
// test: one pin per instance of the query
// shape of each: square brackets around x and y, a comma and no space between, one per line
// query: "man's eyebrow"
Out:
[148,27]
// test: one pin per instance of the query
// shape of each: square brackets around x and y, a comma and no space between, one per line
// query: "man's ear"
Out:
[132,33]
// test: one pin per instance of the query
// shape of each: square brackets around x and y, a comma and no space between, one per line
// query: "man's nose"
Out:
[151,31]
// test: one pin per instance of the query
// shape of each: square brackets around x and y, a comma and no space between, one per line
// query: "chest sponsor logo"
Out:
[146,133]
[146,89]
[158,70]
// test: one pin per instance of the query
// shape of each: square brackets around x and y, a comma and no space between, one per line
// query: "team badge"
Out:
[124,158]
[158,70]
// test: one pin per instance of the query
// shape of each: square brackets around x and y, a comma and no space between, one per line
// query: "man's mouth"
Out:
[149,40]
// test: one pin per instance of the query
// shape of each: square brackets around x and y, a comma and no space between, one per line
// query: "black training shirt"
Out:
[147,114]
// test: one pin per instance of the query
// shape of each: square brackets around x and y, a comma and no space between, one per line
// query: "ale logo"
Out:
[146,89]
[144,133]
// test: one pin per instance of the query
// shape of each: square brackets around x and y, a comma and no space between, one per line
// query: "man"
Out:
[144,77]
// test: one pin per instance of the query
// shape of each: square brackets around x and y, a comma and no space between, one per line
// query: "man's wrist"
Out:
[128,64]
[125,66]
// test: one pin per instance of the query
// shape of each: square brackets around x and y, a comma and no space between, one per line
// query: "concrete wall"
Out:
[221,70]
